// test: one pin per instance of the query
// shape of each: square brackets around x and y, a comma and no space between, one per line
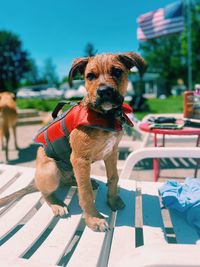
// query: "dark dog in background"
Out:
[106,79]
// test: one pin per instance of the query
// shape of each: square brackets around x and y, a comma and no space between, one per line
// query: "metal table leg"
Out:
[198,160]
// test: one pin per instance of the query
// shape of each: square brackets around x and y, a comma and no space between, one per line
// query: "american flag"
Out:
[160,22]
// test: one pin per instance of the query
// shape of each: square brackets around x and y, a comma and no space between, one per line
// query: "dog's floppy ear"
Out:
[131,59]
[78,66]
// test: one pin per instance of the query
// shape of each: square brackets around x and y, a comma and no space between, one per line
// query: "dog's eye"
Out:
[91,76]
[116,72]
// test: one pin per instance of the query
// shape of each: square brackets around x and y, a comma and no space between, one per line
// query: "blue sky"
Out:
[60,29]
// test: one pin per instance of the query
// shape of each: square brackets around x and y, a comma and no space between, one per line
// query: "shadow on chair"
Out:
[25,154]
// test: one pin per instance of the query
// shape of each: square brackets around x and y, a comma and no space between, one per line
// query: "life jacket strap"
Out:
[64,128]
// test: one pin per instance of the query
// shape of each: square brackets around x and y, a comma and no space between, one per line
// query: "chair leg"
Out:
[197,160]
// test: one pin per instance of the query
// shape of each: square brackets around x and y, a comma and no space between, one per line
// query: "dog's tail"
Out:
[31,188]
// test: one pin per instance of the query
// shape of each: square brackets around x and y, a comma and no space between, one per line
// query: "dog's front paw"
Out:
[115,203]
[97,224]
[59,210]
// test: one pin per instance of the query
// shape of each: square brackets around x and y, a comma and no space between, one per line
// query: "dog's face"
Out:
[106,77]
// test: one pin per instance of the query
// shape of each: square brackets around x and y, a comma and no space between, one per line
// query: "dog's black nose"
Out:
[105,91]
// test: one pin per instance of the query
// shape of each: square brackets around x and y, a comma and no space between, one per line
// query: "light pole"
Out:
[189,37]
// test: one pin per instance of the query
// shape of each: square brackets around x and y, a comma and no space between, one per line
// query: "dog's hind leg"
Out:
[7,137]
[15,136]
[47,180]
[2,140]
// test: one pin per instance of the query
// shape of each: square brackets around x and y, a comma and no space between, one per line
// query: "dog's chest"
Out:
[109,145]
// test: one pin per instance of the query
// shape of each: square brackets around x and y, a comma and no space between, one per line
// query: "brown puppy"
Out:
[8,118]
[106,78]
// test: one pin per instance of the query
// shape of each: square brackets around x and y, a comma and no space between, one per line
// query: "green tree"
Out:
[64,79]
[49,72]
[89,50]
[14,61]
[195,9]
[32,76]
[163,55]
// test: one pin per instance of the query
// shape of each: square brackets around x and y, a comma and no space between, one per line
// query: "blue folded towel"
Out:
[184,198]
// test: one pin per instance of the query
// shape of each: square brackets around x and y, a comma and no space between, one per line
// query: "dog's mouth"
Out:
[108,106]
[108,100]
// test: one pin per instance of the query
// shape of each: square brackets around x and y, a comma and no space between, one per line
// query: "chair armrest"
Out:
[157,152]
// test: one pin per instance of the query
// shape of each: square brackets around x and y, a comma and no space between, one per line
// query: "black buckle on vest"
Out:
[59,106]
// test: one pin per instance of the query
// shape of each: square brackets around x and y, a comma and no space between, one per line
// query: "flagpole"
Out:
[189,39]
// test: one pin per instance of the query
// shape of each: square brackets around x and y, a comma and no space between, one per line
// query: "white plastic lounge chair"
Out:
[142,234]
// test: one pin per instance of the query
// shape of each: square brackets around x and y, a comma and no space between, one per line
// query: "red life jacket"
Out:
[54,137]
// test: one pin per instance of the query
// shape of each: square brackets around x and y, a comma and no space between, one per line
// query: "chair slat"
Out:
[161,256]
[27,235]
[90,245]
[18,262]
[169,230]
[88,249]
[23,180]
[59,238]
[185,234]
[13,216]
[7,174]
[124,232]
[153,228]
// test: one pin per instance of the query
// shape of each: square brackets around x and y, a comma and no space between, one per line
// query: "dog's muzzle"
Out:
[108,98]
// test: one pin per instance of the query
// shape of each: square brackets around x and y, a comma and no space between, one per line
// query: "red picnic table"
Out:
[146,127]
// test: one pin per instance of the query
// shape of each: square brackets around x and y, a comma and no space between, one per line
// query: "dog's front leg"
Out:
[113,200]
[93,218]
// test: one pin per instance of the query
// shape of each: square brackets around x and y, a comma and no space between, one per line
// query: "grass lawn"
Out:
[172,104]
[37,103]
